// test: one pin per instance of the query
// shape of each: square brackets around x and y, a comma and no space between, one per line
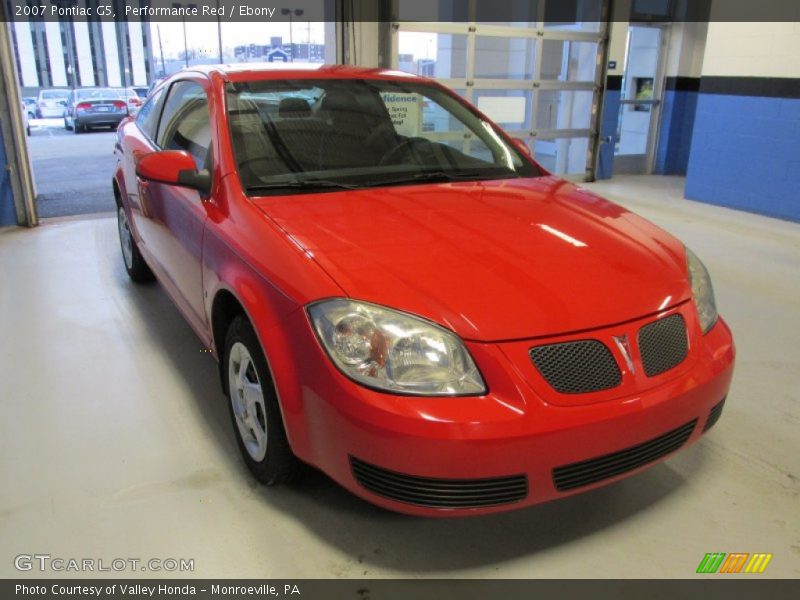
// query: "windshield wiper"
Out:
[300,184]
[439,176]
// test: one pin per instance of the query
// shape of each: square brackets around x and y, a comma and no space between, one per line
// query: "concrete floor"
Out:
[115,440]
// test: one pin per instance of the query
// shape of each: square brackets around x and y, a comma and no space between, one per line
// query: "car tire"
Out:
[133,260]
[253,406]
[28,130]
[77,128]
[66,124]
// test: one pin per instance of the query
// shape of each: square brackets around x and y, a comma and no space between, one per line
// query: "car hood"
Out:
[499,260]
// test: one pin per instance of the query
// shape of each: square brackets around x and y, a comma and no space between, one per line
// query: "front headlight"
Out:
[702,292]
[393,351]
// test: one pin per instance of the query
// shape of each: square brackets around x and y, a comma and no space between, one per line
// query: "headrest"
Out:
[293,108]
[340,101]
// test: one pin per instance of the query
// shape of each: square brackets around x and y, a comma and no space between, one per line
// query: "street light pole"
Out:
[178,6]
[296,12]
[219,34]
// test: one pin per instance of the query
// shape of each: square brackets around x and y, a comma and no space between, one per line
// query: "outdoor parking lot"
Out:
[72,172]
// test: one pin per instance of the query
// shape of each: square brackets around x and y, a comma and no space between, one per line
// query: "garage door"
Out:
[539,78]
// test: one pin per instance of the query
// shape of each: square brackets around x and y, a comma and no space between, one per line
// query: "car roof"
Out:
[266,71]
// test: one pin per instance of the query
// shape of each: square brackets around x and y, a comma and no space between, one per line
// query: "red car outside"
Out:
[399,295]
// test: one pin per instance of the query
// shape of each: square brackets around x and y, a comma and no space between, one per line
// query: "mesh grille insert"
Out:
[439,493]
[604,467]
[663,344]
[577,367]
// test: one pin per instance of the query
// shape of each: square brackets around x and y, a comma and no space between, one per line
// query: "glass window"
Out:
[564,109]
[185,122]
[147,118]
[561,156]
[504,57]
[565,60]
[300,134]
[440,55]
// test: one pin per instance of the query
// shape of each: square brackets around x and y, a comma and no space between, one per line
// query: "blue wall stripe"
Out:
[675,136]
[745,153]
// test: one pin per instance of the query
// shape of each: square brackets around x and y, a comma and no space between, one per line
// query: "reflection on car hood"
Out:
[495,260]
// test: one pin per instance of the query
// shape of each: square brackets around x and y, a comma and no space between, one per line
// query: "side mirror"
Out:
[521,146]
[174,167]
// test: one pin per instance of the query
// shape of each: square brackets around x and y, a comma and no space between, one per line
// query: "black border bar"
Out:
[706,587]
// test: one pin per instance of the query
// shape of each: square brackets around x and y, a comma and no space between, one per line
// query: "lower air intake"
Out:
[439,493]
[597,469]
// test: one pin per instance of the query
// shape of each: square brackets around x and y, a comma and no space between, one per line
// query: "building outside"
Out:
[70,53]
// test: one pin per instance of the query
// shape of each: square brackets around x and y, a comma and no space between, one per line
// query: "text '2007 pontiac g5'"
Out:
[400,296]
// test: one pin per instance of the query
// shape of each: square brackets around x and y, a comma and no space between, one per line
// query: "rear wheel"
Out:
[77,127]
[66,124]
[254,407]
[137,269]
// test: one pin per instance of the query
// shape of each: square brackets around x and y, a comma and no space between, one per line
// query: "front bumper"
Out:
[375,444]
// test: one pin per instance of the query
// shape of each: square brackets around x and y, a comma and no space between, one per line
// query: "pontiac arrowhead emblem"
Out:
[625,348]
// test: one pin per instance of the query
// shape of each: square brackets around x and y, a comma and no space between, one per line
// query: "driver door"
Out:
[176,215]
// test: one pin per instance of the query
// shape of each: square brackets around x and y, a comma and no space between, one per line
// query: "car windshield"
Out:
[100,93]
[320,135]
[55,94]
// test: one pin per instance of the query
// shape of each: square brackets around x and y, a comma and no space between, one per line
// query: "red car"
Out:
[405,299]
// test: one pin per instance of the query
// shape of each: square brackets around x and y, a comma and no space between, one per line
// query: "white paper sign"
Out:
[405,110]
[503,109]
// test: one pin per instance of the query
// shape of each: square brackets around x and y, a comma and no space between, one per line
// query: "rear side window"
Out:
[147,119]
[185,122]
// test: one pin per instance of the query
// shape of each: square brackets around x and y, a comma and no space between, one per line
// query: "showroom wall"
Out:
[745,150]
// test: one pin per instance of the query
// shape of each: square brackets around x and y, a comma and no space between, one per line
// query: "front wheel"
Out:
[254,407]
[135,265]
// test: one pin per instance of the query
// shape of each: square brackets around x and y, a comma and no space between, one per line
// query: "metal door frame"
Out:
[631,165]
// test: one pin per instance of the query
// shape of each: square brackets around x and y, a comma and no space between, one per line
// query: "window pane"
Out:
[560,109]
[147,118]
[511,109]
[561,156]
[441,55]
[185,124]
[504,57]
[568,61]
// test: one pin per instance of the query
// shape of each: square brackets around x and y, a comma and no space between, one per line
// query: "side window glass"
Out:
[185,122]
[147,117]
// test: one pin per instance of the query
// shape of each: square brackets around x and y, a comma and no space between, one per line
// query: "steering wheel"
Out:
[405,145]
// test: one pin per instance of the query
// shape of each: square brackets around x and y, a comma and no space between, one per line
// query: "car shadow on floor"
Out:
[378,539]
